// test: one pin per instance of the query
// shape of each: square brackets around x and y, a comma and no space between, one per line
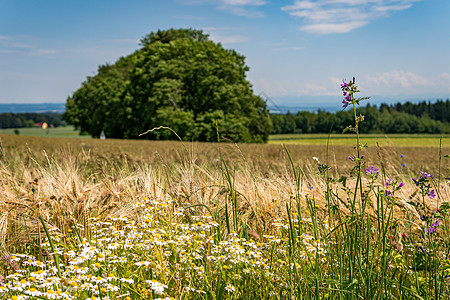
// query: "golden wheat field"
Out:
[68,184]
[105,176]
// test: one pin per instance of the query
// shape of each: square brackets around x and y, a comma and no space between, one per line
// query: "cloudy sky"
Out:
[297,50]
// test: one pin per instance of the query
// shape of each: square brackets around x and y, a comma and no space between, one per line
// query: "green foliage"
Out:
[22,120]
[397,118]
[166,36]
[178,79]
[98,104]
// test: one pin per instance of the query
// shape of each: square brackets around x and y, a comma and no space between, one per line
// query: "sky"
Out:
[298,51]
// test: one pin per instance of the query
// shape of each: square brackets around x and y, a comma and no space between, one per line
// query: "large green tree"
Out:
[178,79]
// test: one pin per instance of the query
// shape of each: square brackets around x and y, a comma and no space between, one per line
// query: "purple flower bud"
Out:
[437,223]
[431,230]
[425,175]
[372,171]
[345,103]
[344,85]
[432,194]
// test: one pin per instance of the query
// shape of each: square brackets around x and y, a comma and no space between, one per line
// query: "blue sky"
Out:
[298,51]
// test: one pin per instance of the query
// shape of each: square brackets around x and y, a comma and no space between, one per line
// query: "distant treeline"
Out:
[21,120]
[422,117]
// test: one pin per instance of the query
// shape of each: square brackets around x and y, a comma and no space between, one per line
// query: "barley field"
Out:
[128,219]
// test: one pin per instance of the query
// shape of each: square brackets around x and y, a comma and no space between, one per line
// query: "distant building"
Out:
[43,125]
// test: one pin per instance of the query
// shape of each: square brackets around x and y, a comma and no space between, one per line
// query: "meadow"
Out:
[127,219]
[63,131]
[395,140]
[399,140]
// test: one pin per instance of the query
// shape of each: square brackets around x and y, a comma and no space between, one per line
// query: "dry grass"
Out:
[69,181]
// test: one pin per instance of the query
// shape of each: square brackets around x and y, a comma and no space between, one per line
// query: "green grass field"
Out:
[67,131]
[399,140]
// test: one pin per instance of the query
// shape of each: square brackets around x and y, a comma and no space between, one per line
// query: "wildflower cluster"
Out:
[321,168]
[153,254]
[372,172]
[391,186]
[424,185]
[348,89]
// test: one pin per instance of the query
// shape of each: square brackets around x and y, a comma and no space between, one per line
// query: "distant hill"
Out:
[32,107]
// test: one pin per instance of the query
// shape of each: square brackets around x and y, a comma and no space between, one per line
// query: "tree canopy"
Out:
[408,117]
[178,79]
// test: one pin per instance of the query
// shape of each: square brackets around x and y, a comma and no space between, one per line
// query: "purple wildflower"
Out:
[425,175]
[401,155]
[400,185]
[372,171]
[388,183]
[346,93]
[345,102]
[432,194]
[433,227]
[431,230]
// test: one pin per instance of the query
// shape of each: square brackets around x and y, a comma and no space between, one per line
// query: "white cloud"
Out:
[397,79]
[225,35]
[245,8]
[400,82]
[298,87]
[394,83]
[326,28]
[24,46]
[341,16]
[392,8]
[243,2]
[231,39]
